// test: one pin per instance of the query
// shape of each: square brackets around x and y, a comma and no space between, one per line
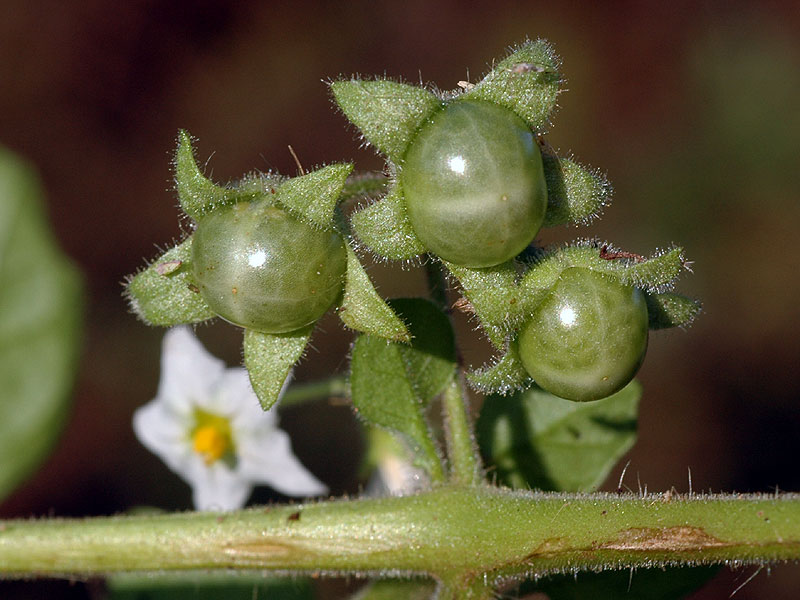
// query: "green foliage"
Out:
[671,310]
[536,440]
[388,113]
[575,194]
[640,584]
[165,293]
[269,359]
[198,195]
[391,384]
[313,197]
[505,375]
[364,310]
[204,586]
[40,325]
[397,589]
[526,81]
[385,229]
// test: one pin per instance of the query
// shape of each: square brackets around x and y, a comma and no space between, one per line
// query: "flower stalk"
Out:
[453,533]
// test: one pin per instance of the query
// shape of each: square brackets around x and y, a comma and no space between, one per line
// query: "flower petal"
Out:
[266,457]
[162,433]
[188,371]
[216,486]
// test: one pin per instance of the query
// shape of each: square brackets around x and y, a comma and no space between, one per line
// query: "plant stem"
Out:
[454,533]
[437,284]
[465,463]
[299,393]
[360,185]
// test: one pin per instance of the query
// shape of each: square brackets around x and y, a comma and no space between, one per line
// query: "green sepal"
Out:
[383,396]
[671,310]
[536,440]
[165,294]
[384,228]
[575,194]
[430,359]
[270,357]
[198,195]
[493,296]
[364,310]
[654,274]
[388,113]
[313,197]
[506,375]
[526,82]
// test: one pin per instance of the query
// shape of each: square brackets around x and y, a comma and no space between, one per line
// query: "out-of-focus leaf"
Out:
[397,589]
[537,440]
[643,584]
[206,586]
[40,324]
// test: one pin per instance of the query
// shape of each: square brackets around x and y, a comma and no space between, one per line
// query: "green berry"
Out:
[474,185]
[588,336]
[261,268]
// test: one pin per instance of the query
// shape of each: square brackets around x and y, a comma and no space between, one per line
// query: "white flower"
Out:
[206,424]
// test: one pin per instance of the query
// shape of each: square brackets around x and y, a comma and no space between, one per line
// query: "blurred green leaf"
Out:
[642,584]
[397,589]
[205,586]
[537,440]
[40,324]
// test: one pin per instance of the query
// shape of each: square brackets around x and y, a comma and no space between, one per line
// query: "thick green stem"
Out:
[462,452]
[454,533]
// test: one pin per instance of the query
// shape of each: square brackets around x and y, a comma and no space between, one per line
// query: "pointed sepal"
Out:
[388,113]
[364,310]
[198,195]
[313,197]
[492,295]
[384,228]
[269,358]
[575,194]
[506,375]
[165,293]
[526,82]
[671,310]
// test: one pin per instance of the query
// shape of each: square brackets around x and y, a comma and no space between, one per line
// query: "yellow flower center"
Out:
[211,437]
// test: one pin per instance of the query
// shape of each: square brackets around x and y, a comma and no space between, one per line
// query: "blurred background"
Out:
[691,108]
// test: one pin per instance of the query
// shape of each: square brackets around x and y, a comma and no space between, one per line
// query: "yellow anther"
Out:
[211,438]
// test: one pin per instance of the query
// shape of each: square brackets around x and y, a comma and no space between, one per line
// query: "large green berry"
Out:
[474,184]
[587,338]
[259,267]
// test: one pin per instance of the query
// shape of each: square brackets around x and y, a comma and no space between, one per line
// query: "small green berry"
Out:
[588,336]
[261,268]
[474,185]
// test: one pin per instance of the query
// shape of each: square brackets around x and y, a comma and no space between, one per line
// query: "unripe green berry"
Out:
[588,336]
[474,185]
[261,268]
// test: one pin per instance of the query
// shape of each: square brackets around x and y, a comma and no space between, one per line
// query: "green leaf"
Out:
[526,82]
[575,194]
[206,586]
[506,375]
[431,358]
[537,440]
[198,195]
[364,310]
[388,113]
[313,197]
[40,326]
[671,310]
[397,589]
[641,584]
[384,396]
[270,357]
[165,293]
[385,229]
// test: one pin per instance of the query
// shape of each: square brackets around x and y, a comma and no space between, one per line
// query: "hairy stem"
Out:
[454,533]
[465,463]
[333,387]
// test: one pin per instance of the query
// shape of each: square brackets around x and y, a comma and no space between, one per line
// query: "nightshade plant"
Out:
[470,180]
